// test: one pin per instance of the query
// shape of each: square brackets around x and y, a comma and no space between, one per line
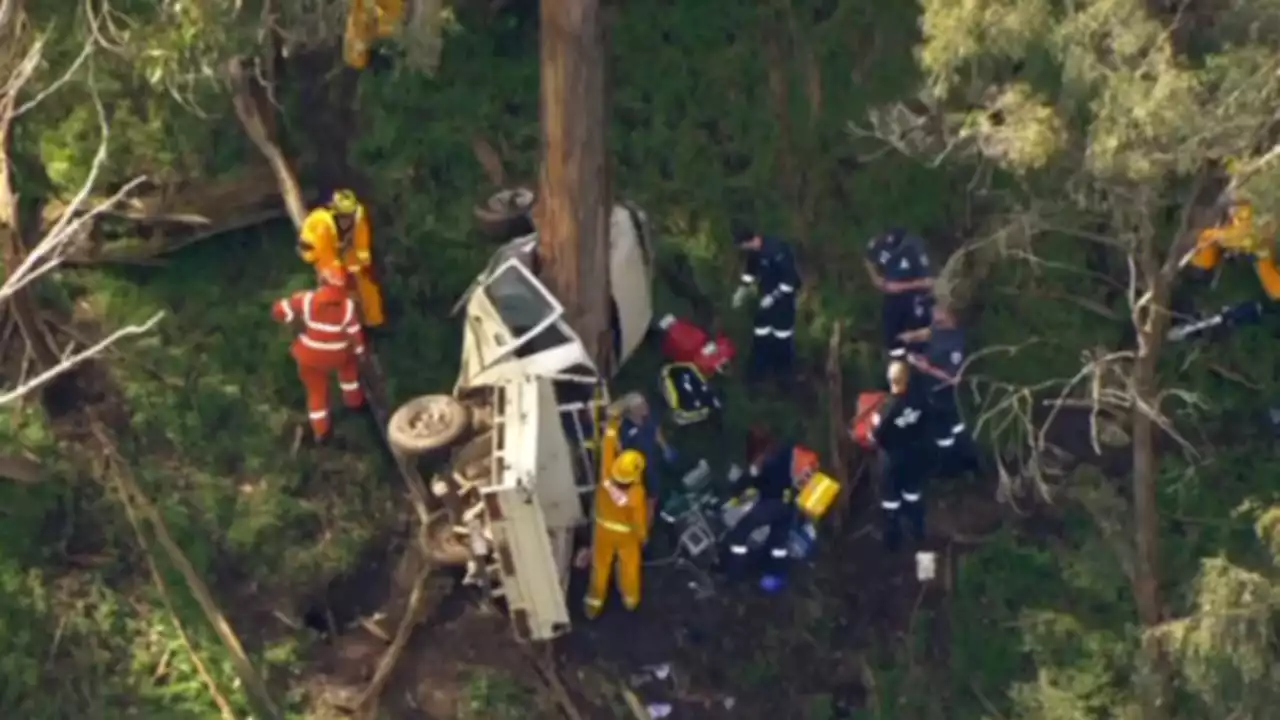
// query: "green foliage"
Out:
[1041,624]
[493,696]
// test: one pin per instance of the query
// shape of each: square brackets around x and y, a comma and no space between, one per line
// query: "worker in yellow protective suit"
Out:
[1239,236]
[621,528]
[340,232]
[367,21]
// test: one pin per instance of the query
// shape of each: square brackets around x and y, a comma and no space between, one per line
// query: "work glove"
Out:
[740,296]
[767,301]
[772,583]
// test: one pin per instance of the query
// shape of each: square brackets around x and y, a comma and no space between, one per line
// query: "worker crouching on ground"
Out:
[329,341]
[640,430]
[771,272]
[898,266]
[900,429]
[939,369]
[620,532]
[777,476]
[340,232]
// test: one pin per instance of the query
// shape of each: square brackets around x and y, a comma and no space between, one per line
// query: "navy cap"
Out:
[742,234]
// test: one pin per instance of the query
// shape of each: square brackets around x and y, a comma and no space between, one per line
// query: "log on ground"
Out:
[148,226]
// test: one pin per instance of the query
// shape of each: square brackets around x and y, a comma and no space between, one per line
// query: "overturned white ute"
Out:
[519,425]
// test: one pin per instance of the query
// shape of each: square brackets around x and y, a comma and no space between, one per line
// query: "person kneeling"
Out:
[776,479]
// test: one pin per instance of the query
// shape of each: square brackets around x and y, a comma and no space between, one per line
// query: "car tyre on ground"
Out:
[427,423]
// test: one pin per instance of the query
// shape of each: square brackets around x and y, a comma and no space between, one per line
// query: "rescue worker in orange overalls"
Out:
[330,341]
[1240,236]
[340,232]
[621,528]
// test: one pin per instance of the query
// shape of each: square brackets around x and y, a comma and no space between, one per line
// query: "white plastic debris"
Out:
[926,566]
[659,710]
[735,473]
[661,671]
[730,702]
[696,478]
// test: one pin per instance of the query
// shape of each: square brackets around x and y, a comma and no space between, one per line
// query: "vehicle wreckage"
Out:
[515,437]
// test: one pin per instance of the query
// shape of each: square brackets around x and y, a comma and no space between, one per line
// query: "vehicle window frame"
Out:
[556,315]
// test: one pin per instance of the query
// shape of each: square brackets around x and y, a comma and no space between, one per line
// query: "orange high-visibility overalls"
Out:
[1239,235]
[331,341]
[367,21]
[621,530]
[321,242]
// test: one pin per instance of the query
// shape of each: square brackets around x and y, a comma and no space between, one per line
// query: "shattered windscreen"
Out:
[520,302]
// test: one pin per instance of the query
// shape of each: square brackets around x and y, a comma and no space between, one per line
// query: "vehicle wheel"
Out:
[427,423]
[447,548]
[506,214]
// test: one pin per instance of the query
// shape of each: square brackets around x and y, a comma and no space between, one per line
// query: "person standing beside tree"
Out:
[772,275]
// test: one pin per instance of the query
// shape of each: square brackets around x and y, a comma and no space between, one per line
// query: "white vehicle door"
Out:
[630,277]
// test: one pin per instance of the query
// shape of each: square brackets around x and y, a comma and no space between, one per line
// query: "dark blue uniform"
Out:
[899,257]
[901,430]
[772,270]
[774,508]
[643,437]
[946,353]
[955,448]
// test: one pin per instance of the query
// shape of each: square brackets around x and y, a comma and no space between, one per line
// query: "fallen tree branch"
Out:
[162,587]
[415,613]
[20,469]
[69,362]
[546,671]
[149,225]
[247,110]
[131,492]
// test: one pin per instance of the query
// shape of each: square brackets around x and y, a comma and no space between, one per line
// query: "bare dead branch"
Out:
[68,231]
[56,84]
[20,469]
[70,360]
[917,130]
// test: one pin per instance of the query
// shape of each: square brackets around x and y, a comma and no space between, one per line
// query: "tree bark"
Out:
[1154,683]
[572,214]
[23,302]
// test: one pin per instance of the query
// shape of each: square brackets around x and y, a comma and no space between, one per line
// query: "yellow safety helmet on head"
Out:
[628,467]
[344,201]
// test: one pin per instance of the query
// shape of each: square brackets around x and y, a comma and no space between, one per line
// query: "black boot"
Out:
[784,362]
[914,513]
[761,361]
[891,530]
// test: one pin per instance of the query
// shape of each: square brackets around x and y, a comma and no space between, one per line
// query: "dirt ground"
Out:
[731,653]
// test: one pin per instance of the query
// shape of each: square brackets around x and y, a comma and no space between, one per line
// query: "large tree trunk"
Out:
[572,215]
[1156,689]
[1146,516]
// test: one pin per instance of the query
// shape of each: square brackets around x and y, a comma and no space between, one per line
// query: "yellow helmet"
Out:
[344,201]
[628,467]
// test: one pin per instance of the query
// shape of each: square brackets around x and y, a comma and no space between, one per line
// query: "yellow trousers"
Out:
[370,294]
[608,545]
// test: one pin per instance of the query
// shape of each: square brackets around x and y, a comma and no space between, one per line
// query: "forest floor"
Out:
[210,407]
